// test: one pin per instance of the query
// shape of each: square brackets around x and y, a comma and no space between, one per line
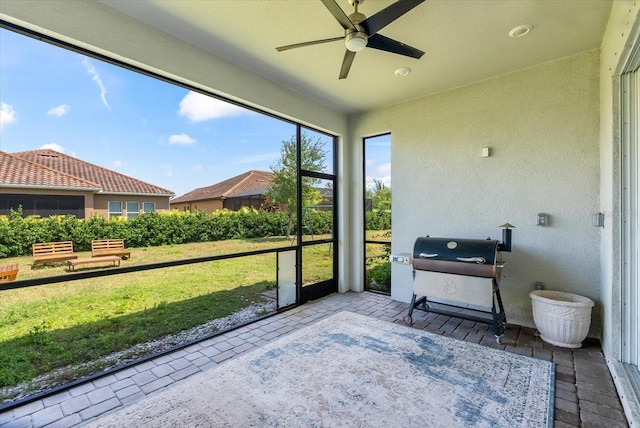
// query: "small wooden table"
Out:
[73,263]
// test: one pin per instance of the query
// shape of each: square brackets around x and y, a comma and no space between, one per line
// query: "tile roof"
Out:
[17,172]
[240,184]
[107,180]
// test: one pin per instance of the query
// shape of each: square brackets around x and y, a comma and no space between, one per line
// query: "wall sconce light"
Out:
[542,219]
[598,219]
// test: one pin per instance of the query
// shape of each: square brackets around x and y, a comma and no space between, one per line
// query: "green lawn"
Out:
[48,327]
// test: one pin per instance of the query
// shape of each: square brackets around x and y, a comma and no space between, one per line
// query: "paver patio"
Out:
[585,395]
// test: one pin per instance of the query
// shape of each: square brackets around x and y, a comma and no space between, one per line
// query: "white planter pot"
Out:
[563,319]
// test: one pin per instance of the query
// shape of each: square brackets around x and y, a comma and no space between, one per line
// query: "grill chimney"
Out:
[505,245]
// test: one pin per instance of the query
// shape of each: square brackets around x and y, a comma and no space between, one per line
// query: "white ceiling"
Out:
[465,41]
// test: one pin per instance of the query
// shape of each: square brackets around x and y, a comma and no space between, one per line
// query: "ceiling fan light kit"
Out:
[362,32]
[355,41]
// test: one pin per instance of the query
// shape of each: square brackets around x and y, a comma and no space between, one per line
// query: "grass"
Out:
[378,266]
[148,255]
[49,327]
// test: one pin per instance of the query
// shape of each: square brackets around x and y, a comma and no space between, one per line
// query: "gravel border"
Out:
[70,373]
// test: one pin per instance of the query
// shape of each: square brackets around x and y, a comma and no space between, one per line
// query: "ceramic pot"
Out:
[563,319]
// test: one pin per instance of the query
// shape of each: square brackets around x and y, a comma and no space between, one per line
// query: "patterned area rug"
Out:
[352,370]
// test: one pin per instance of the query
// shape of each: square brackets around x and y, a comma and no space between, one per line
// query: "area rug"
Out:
[356,371]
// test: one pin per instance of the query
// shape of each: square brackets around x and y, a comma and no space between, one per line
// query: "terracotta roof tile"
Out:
[15,171]
[234,186]
[109,181]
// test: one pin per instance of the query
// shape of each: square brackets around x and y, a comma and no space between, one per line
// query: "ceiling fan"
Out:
[361,32]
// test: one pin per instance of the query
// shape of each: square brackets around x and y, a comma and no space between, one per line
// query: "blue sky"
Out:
[142,127]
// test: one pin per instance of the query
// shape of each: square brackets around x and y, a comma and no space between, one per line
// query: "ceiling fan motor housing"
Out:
[356,18]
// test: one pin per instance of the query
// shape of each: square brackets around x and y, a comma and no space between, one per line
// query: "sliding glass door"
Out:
[630,218]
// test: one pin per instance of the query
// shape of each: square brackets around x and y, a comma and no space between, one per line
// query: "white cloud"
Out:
[7,115]
[199,108]
[53,146]
[181,139]
[60,110]
[96,78]
[169,173]
[384,169]
[117,163]
[197,167]
[370,184]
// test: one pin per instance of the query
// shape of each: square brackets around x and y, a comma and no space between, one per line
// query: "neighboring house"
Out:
[45,182]
[244,190]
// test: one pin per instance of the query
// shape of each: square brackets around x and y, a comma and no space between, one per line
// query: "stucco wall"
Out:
[101,203]
[542,125]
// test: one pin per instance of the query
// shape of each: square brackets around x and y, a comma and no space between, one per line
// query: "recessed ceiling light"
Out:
[403,71]
[521,30]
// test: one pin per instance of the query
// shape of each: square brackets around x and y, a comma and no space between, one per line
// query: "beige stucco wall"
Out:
[101,203]
[542,125]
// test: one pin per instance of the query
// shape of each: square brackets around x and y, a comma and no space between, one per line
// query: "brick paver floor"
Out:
[585,395]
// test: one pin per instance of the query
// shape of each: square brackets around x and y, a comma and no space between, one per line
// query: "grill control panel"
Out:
[402,258]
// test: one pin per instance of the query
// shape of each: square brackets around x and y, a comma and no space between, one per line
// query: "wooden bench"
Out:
[52,252]
[9,273]
[75,262]
[109,247]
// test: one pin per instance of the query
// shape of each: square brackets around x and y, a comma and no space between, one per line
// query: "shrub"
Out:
[17,234]
[378,220]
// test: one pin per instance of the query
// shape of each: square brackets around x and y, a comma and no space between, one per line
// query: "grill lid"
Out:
[475,257]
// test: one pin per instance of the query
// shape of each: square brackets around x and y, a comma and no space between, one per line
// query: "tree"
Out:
[381,196]
[284,185]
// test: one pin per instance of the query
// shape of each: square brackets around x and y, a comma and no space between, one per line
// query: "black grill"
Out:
[460,278]
[473,257]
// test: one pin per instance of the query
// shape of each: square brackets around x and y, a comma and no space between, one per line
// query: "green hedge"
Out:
[378,220]
[151,229]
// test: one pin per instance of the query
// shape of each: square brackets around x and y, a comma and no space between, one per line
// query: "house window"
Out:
[115,209]
[148,207]
[133,210]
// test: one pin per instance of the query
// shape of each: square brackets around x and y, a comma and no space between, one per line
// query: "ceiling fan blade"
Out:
[383,43]
[346,64]
[303,44]
[386,16]
[339,14]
